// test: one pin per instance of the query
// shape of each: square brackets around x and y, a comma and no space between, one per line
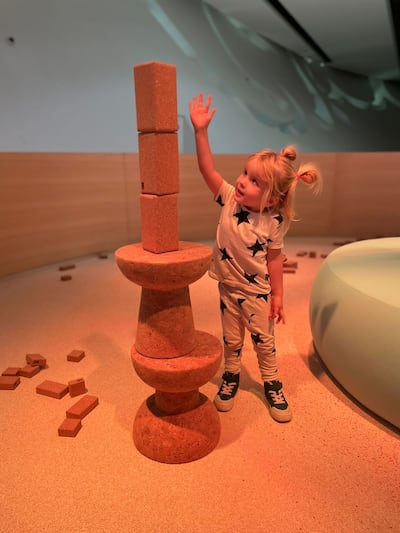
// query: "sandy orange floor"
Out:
[334,468]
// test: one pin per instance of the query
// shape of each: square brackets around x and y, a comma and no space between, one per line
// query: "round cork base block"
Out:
[176,438]
[164,271]
[185,373]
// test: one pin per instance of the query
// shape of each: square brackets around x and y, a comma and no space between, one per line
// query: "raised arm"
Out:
[201,116]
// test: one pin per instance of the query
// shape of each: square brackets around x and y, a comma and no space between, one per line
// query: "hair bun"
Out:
[289,152]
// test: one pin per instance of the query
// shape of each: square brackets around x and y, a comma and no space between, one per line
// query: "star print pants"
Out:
[241,311]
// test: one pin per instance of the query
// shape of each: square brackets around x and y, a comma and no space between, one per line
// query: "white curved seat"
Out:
[355,322]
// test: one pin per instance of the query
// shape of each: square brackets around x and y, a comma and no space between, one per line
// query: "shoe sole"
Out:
[280,416]
[223,405]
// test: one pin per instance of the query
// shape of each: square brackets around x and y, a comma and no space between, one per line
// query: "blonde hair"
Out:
[277,171]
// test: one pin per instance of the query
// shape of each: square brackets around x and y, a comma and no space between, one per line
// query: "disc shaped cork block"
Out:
[159,163]
[159,219]
[181,374]
[156,97]
[167,271]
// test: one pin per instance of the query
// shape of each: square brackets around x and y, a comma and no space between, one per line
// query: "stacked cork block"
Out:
[157,124]
[168,353]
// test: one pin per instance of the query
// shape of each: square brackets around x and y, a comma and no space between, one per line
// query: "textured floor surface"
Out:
[334,468]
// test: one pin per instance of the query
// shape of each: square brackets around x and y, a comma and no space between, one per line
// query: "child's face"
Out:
[249,189]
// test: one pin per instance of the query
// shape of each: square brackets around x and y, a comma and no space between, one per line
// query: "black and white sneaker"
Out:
[279,408]
[227,391]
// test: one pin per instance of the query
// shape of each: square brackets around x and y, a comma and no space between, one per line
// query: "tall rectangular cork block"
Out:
[159,219]
[159,163]
[156,97]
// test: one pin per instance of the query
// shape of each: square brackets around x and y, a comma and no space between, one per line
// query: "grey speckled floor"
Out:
[334,468]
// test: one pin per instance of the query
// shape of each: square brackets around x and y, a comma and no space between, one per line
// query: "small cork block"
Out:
[301,254]
[289,271]
[29,371]
[156,97]
[288,263]
[75,356]
[11,371]
[312,254]
[159,163]
[66,267]
[77,387]
[65,277]
[52,389]
[83,407]
[159,219]
[9,382]
[70,427]
[35,359]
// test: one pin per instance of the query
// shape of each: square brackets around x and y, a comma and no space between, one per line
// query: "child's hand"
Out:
[276,310]
[200,114]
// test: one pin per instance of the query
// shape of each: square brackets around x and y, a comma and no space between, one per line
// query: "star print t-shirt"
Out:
[242,242]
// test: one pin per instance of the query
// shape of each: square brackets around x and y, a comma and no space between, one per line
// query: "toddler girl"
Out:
[247,259]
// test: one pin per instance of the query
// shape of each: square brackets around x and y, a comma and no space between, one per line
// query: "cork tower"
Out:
[177,423]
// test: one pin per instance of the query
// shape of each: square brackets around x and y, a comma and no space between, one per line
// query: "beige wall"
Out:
[57,206]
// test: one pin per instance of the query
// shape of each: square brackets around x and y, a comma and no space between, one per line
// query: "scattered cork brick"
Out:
[289,271]
[301,254]
[66,267]
[312,254]
[70,427]
[11,371]
[35,359]
[83,407]
[77,387]
[9,382]
[29,371]
[324,256]
[102,255]
[290,264]
[52,389]
[65,278]
[75,356]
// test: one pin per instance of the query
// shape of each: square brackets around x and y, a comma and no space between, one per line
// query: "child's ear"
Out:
[273,201]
